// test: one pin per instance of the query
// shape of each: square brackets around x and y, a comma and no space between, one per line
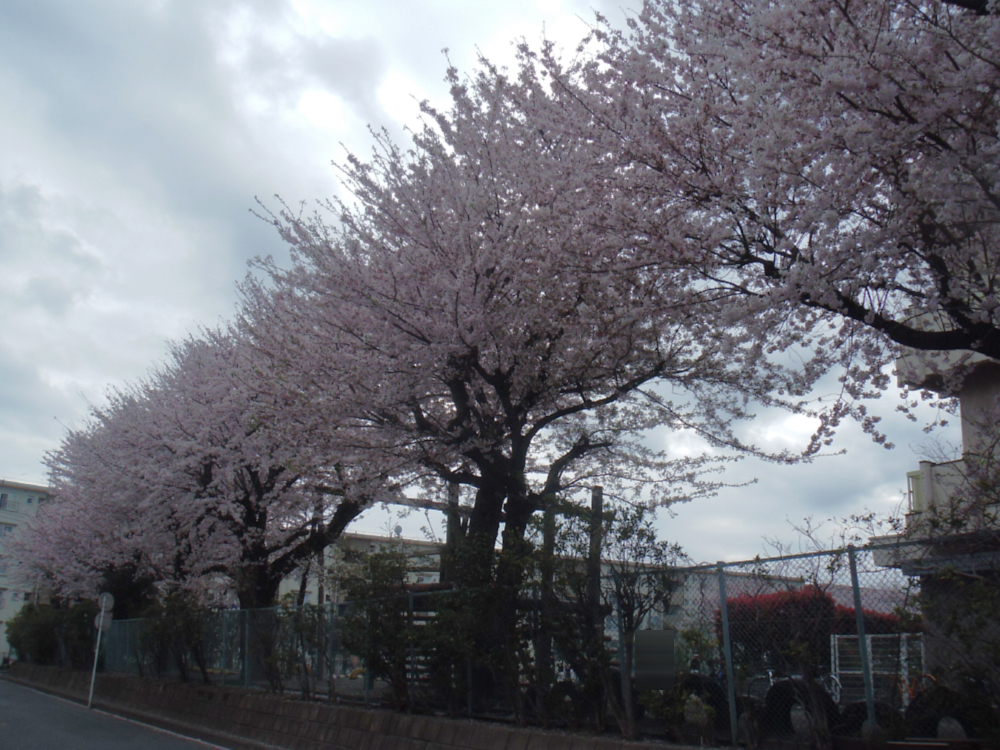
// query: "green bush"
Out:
[33,633]
[376,626]
[50,635]
[172,632]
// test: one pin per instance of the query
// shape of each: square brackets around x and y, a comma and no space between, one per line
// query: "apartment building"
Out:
[953,506]
[18,502]
[952,531]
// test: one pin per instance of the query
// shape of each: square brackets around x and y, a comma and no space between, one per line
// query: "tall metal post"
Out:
[367,684]
[106,601]
[594,552]
[246,648]
[224,616]
[332,650]
[453,530]
[468,685]
[859,618]
[412,667]
[727,650]
[623,667]
[543,605]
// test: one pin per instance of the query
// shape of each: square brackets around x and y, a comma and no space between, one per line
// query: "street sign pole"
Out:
[107,601]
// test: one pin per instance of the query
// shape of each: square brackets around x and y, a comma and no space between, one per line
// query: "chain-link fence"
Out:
[903,635]
[774,646]
[801,646]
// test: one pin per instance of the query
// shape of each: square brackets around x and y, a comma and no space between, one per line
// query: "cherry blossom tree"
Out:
[837,161]
[468,315]
[197,478]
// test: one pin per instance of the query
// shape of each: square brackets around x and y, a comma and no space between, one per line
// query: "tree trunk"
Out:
[484,525]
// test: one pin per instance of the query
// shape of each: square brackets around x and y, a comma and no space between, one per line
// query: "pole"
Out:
[224,618]
[246,647]
[468,685]
[453,531]
[544,605]
[859,618]
[594,555]
[97,651]
[727,650]
[411,671]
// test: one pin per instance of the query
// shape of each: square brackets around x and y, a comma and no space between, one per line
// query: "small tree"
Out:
[642,581]
[173,630]
[376,625]
[639,578]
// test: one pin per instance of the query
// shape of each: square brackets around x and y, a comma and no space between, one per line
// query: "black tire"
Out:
[777,719]
[928,708]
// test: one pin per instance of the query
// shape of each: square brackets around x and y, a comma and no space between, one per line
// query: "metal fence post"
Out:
[412,666]
[224,631]
[859,617]
[331,654]
[246,648]
[468,685]
[727,650]
[367,679]
[622,674]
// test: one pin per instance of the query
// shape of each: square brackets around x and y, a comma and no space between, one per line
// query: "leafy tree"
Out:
[638,579]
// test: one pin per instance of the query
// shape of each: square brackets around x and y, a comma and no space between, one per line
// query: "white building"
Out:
[424,564]
[952,531]
[946,501]
[18,501]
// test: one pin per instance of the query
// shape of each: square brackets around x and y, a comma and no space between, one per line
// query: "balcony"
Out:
[949,521]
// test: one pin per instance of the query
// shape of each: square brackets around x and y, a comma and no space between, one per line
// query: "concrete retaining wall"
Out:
[254,721]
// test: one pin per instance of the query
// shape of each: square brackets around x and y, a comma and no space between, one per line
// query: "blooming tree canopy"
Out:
[196,478]
[471,319]
[838,161]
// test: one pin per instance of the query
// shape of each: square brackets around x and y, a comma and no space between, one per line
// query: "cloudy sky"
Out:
[135,137]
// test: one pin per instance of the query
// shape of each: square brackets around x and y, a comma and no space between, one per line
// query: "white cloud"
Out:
[323,110]
[400,96]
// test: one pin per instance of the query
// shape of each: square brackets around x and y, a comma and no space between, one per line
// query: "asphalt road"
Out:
[30,720]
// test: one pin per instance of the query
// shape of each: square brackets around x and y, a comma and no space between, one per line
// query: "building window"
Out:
[6,529]
[4,502]
[15,596]
[30,500]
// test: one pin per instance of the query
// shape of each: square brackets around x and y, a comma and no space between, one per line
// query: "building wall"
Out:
[18,502]
[424,562]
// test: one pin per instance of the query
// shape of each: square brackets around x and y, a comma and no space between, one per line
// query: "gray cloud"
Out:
[28,417]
